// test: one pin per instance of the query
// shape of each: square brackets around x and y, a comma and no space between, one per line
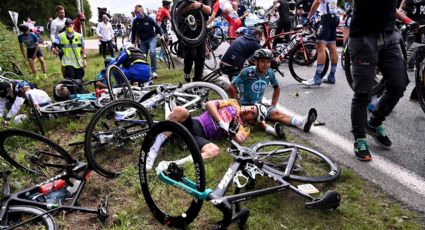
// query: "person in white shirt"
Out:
[106,34]
[58,24]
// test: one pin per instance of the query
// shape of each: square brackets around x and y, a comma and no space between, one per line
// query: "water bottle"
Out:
[52,186]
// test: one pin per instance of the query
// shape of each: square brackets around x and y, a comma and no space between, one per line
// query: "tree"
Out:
[39,11]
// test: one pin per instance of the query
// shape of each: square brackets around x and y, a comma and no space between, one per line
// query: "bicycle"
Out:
[124,123]
[167,54]
[57,174]
[175,191]
[8,76]
[420,76]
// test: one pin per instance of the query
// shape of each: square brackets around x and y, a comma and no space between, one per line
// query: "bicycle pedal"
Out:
[103,210]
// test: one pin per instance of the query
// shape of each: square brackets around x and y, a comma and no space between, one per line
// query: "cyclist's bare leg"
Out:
[333,52]
[279,116]
[32,65]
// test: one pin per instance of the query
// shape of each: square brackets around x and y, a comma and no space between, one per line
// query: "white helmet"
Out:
[128,45]
[261,112]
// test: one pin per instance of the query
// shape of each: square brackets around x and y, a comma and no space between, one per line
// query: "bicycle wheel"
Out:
[33,153]
[65,106]
[10,75]
[189,24]
[18,214]
[215,37]
[420,83]
[174,47]
[16,69]
[310,165]
[167,54]
[206,91]
[303,60]
[118,85]
[210,59]
[114,136]
[166,201]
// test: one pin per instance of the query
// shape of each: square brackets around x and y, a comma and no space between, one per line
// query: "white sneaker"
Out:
[154,75]
[162,166]
[150,160]
[310,82]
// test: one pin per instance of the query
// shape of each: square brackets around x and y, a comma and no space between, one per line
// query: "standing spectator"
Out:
[329,20]
[78,22]
[71,45]
[242,12]
[105,33]
[284,21]
[58,24]
[33,49]
[375,42]
[146,29]
[196,54]
[162,17]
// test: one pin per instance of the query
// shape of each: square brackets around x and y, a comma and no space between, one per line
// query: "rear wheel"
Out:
[19,214]
[114,136]
[166,201]
[309,166]
[65,106]
[189,24]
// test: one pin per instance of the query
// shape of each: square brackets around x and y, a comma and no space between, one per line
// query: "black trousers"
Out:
[194,55]
[110,48]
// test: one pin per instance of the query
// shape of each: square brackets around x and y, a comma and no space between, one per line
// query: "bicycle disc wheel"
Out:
[118,85]
[210,59]
[166,201]
[114,136]
[18,214]
[206,91]
[33,153]
[189,24]
[420,84]
[310,165]
[65,106]
[303,61]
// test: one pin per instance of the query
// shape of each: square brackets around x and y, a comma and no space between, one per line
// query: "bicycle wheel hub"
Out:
[191,22]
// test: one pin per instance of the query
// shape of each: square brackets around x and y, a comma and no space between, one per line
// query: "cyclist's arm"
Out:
[233,92]
[242,134]
[213,106]
[276,89]
[16,106]
[121,58]
[313,8]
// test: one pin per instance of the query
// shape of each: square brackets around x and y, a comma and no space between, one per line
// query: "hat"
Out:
[81,16]
[68,22]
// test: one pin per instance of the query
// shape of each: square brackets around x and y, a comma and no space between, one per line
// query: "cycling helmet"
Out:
[61,91]
[261,13]
[68,22]
[263,53]
[23,28]
[261,112]
[109,60]
[21,85]
[166,2]
[4,88]
[241,31]
[128,45]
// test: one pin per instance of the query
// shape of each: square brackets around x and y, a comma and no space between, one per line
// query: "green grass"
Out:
[364,206]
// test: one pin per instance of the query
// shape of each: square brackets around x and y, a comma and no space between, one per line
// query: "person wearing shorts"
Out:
[210,125]
[227,10]
[33,50]
[329,20]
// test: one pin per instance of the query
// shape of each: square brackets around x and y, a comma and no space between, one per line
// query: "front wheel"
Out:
[166,201]
[310,165]
[19,214]
[65,106]
[118,85]
[303,61]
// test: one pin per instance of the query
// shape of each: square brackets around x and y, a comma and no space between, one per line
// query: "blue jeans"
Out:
[151,43]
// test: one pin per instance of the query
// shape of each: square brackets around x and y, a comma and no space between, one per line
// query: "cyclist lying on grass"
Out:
[210,125]
[252,82]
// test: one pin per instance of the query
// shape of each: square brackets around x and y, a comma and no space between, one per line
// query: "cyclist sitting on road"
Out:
[33,49]
[252,82]
[11,97]
[234,58]
[210,125]
[226,9]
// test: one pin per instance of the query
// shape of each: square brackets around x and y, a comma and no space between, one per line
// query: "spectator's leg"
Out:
[152,54]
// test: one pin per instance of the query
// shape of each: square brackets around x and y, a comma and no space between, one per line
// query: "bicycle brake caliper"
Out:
[236,180]
[253,170]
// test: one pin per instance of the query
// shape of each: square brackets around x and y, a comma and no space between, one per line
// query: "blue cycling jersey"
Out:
[251,85]
[29,40]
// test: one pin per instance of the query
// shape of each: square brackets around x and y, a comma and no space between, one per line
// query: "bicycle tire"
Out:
[106,98]
[16,69]
[309,64]
[65,106]
[118,77]
[20,213]
[189,25]
[195,88]
[420,83]
[212,65]
[36,115]
[33,153]
[167,54]
[108,142]
[10,75]
[307,166]
[155,190]
[215,37]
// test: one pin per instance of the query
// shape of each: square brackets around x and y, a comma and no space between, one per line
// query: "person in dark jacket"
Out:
[146,29]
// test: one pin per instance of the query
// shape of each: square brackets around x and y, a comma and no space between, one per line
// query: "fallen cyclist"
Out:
[251,84]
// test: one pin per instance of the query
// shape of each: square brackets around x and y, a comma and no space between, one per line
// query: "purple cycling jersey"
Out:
[211,129]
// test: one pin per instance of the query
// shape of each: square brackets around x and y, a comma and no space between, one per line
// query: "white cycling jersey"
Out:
[38,96]
[328,7]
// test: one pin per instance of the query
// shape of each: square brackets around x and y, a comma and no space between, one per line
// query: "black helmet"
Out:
[166,2]
[4,88]
[23,28]
[68,21]
[263,53]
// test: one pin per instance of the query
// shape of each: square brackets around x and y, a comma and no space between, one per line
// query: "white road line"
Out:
[393,171]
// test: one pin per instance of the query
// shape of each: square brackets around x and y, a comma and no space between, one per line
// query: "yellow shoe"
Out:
[45,75]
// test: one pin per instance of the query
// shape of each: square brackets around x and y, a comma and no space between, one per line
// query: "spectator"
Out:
[48,26]
[78,22]
[242,12]
[71,45]
[105,33]
[58,24]
[162,17]
[33,49]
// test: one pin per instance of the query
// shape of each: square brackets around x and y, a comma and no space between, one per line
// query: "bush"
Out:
[9,50]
